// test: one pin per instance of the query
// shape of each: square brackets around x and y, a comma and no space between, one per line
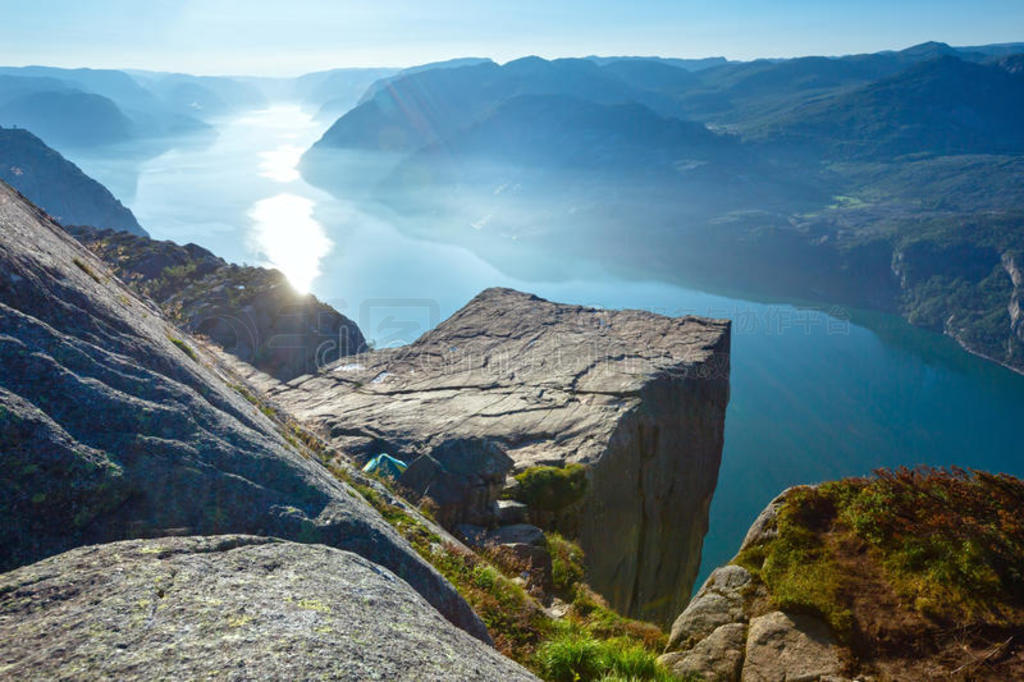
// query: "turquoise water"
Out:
[814,395]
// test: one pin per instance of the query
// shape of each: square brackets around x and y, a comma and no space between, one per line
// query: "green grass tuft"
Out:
[184,347]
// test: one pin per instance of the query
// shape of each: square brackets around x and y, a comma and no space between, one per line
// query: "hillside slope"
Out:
[251,312]
[113,425]
[58,186]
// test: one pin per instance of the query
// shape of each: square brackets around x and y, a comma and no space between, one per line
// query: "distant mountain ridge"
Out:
[887,180]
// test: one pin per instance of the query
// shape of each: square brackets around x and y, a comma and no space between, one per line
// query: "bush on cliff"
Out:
[548,488]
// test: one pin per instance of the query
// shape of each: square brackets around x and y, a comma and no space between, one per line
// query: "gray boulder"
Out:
[463,477]
[636,397]
[718,657]
[720,601]
[785,646]
[114,424]
[227,607]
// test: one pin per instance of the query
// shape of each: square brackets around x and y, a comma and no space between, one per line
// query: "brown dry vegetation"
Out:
[919,571]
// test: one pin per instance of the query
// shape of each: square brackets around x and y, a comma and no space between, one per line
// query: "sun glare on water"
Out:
[281,164]
[285,232]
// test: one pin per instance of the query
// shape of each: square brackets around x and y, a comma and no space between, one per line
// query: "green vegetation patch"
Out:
[591,642]
[950,543]
[548,488]
[566,565]
[184,347]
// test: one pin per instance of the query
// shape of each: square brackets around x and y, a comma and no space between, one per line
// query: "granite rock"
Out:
[227,607]
[636,397]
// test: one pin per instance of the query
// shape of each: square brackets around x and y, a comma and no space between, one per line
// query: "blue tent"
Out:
[385,465]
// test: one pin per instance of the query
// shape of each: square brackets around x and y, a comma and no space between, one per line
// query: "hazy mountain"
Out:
[889,180]
[57,186]
[650,74]
[86,107]
[68,118]
[424,107]
[688,64]
[332,93]
[201,96]
[945,106]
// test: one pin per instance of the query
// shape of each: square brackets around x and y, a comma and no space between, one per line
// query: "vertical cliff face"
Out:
[650,494]
[639,399]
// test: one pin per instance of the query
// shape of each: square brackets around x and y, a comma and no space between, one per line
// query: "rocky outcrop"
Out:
[637,398]
[227,607]
[114,425]
[841,580]
[252,313]
[725,633]
[1014,267]
[461,478]
[58,186]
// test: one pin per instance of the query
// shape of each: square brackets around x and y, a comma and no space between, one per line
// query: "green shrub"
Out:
[572,657]
[548,488]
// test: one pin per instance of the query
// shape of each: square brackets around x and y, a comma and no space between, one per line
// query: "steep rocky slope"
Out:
[908,575]
[58,186]
[250,312]
[227,607]
[114,425]
[636,398]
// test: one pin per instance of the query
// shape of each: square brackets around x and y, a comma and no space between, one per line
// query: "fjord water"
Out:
[816,393]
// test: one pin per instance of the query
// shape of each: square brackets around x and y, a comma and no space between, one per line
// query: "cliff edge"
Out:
[637,399]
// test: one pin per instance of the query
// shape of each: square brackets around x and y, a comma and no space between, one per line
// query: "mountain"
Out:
[58,186]
[425,107]
[68,119]
[687,64]
[944,106]
[332,93]
[201,96]
[107,106]
[889,181]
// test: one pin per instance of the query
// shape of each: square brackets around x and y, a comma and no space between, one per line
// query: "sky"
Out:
[289,37]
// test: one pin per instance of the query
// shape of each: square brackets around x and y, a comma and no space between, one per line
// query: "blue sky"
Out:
[285,37]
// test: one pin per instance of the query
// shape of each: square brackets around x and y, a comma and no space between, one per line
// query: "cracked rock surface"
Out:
[231,608]
[638,397]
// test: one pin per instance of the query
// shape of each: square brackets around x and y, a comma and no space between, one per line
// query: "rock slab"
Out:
[638,398]
[231,608]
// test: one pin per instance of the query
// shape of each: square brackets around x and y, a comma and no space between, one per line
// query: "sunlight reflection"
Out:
[281,164]
[288,236]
